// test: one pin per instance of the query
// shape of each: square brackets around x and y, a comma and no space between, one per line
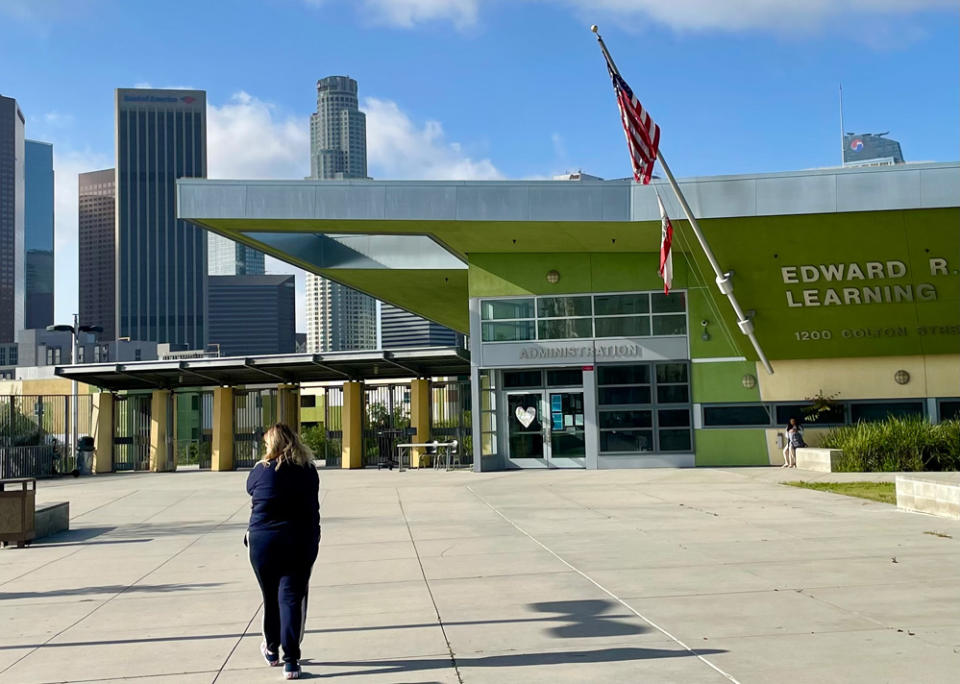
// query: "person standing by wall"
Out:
[283,539]
[794,440]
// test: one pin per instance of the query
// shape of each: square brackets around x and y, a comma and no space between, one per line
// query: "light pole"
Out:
[75,331]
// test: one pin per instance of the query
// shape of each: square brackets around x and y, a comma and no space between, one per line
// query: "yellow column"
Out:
[160,437]
[221,448]
[102,432]
[420,419]
[288,409]
[352,424]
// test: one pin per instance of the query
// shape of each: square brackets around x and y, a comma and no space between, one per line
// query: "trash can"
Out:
[18,503]
[85,455]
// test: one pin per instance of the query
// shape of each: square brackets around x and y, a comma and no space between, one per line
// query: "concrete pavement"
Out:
[706,575]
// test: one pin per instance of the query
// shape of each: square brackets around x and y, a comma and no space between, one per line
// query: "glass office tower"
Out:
[12,189]
[38,232]
[161,261]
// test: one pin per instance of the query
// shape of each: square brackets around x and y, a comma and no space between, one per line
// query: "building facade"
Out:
[96,202]
[870,149]
[161,261]
[400,328]
[226,257]
[252,314]
[12,238]
[38,234]
[338,317]
[580,360]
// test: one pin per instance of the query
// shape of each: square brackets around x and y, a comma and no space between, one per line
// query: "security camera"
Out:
[704,322]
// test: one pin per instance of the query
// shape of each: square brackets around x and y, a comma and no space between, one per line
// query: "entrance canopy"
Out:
[272,369]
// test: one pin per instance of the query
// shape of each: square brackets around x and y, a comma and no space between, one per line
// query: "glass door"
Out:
[567,425]
[527,430]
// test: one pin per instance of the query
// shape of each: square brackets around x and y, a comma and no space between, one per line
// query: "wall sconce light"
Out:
[901,377]
[749,381]
[705,336]
[553,277]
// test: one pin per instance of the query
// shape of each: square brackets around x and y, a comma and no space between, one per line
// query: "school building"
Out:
[578,359]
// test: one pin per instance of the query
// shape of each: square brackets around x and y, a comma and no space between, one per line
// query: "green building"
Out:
[579,359]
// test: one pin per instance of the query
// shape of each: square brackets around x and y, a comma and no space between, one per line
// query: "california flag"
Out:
[666,242]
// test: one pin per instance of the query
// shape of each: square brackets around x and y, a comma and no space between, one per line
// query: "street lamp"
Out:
[75,331]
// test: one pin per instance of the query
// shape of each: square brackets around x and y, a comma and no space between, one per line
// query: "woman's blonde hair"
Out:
[284,446]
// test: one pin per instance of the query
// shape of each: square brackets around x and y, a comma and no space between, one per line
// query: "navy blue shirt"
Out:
[285,498]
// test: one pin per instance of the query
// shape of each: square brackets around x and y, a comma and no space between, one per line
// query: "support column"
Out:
[352,425]
[160,437]
[103,427]
[420,419]
[221,447]
[288,406]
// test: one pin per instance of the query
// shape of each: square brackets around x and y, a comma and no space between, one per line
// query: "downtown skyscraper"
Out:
[338,317]
[96,226]
[161,261]
[38,234]
[12,237]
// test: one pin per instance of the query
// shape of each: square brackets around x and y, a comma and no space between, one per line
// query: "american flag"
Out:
[666,251]
[643,135]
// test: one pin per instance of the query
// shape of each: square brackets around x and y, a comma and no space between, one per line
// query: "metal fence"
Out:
[386,415]
[131,432]
[450,416]
[35,433]
[194,429]
[330,443]
[253,412]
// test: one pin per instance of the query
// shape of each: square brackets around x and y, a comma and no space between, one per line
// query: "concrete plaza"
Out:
[706,575]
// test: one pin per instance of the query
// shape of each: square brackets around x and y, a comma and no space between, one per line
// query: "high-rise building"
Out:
[12,196]
[96,223]
[253,314]
[38,234]
[161,261]
[400,328]
[338,131]
[338,317]
[870,149]
[226,257]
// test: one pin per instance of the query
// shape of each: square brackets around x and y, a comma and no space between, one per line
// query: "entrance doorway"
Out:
[546,426]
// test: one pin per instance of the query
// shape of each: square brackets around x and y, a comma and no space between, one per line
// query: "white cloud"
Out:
[696,15]
[408,13]
[58,119]
[250,138]
[781,15]
[66,166]
[399,149]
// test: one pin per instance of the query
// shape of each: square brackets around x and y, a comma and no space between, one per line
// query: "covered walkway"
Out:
[212,412]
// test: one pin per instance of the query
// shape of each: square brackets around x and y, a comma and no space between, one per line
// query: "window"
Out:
[637,411]
[514,379]
[740,415]
[868,412]
[835,416]
[308,400]
[565,377]
[949,409]
[640,314]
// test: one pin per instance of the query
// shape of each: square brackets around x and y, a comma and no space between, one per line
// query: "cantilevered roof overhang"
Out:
[409,242]
[272,369]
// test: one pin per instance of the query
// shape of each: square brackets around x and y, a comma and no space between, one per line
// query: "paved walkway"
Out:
[611,576]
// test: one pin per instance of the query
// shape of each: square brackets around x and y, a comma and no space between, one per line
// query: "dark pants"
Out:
[282,562]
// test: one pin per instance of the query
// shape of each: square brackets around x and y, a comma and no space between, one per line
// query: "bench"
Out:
[51,518]
[936,495]
[819,460]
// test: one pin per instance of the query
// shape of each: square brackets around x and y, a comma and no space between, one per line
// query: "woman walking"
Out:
[283,538]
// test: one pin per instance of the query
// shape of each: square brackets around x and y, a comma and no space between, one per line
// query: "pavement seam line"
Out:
[606,591]
[426,582]
[124,590]
[236,645]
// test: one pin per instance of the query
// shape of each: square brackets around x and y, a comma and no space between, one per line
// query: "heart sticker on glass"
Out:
[526,415]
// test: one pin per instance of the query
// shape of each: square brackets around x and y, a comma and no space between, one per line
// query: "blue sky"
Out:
[489,88]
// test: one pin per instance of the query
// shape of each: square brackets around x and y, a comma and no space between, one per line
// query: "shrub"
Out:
[897,444]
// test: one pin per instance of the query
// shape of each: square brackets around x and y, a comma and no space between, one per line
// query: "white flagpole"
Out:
[723,279]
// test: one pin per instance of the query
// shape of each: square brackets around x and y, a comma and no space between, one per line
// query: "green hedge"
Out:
[897,444]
